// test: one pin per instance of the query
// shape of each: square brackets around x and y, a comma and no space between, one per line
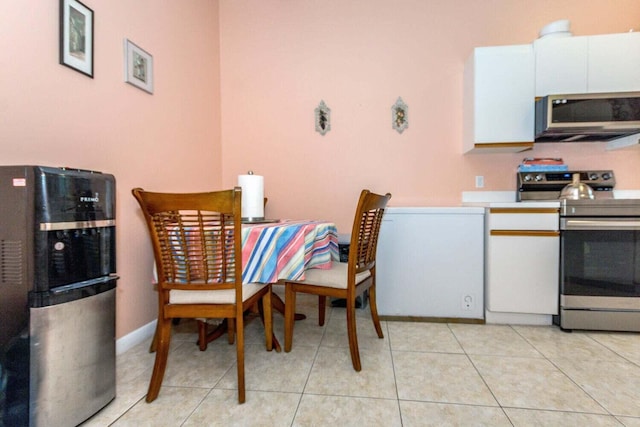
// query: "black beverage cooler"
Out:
[57,295]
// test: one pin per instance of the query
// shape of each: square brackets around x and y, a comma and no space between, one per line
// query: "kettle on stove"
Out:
[576,190]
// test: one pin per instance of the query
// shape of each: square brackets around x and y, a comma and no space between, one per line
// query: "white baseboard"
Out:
[136,337]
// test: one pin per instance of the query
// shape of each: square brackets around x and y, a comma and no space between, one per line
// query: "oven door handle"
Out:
[599,224]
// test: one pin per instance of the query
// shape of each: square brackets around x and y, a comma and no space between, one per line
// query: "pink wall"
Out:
[270,62]
[280,58]
[52,115]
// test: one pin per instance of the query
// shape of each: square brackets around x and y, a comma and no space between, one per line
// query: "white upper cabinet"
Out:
[561,65]
[499,95]
[587,64]
[614,63]
[502,82]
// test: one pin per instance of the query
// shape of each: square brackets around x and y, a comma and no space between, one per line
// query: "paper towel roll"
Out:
[252,196]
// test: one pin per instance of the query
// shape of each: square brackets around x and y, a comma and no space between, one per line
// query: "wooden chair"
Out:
[205,337]
[196,239]
[345,280]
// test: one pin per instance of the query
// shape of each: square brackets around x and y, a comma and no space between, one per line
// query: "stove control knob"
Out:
[593,176]
[539,178]
[606,176]
[527,178]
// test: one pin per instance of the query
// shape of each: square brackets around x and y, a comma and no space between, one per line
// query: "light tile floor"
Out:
[420,374]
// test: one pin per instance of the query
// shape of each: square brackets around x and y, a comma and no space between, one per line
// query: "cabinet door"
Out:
[614,61]
[561,65]
[522,272]
[499,96]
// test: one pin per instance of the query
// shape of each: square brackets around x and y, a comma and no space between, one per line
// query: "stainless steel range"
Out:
[599,250]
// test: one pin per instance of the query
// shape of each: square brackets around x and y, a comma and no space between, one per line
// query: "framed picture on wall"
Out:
[76,36]
[138,66]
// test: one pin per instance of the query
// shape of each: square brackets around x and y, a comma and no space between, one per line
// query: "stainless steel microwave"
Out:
[587,117]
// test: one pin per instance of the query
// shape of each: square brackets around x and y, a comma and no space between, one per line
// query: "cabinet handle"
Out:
[526,233]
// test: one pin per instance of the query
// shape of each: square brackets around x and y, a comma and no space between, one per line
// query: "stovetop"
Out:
[546,186]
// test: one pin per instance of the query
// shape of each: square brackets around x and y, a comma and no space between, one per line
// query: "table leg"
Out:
[221,329]
[216,333]
[276,343]
[278,304]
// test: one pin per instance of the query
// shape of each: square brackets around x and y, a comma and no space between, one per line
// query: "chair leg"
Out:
[239,323]
[322,309]
[289,313]
[353,337]
[374,311]
[162,353]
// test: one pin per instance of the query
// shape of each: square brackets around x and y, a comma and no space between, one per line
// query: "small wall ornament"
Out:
[323,118]
[399,115]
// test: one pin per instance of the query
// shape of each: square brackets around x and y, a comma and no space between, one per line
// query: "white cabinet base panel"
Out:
[517,318]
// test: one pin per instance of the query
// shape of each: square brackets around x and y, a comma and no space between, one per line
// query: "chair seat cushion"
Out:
[224,296]
[335,277]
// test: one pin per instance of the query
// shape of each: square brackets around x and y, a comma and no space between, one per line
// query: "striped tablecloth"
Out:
[284,250]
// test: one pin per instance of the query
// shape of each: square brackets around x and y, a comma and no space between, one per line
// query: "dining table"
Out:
[274,250]
[285,249]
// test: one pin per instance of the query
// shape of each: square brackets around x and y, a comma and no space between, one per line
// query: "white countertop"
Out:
[531,204]
[508,198]
[435,210]
[626,194]
[501,199]
[475,202]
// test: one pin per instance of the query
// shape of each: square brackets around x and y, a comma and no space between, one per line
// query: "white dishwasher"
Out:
[522,262]
[430,263]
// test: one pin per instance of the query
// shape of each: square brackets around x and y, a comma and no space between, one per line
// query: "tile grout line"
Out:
[315,358]
[393,367]
[479,374]
[563,373]
[590,336]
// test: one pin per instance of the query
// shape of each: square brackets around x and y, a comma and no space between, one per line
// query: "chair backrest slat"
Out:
[366,228]
[196,238]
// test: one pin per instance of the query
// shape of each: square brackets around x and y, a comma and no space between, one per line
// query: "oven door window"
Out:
[600,263]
